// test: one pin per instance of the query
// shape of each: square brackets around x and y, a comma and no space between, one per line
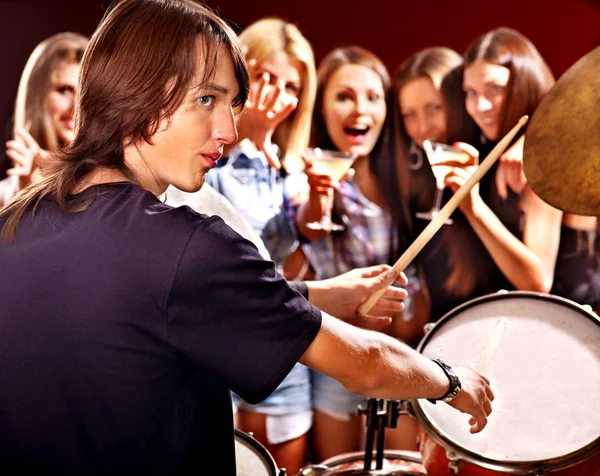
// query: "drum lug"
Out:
[406,408]
[502,291]
[427,327]
[454,462]
[282,472]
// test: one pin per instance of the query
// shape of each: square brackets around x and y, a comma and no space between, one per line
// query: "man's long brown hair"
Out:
[135,73]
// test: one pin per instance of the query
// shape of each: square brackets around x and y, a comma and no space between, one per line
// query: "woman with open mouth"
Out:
[351,116]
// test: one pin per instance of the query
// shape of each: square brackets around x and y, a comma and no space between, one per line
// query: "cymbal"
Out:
[561,156]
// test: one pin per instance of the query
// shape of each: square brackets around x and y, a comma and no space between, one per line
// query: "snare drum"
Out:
[252,458]
[545,375]
[395,463]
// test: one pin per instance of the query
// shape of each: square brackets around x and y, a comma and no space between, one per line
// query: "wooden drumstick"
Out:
[444,214]
[491,346]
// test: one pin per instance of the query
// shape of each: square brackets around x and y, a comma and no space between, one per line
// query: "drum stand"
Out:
[381,414]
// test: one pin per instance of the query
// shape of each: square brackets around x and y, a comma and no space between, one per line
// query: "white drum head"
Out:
[251,458]
[545,374]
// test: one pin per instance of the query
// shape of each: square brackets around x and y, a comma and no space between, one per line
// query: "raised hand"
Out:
[26,156]
[267,106]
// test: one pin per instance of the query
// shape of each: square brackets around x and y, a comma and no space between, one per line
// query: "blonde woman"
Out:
[259,180]
[44,108]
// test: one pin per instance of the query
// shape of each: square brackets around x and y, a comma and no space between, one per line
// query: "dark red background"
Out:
[563,30]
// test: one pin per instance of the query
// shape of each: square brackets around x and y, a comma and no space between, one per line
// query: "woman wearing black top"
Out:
[504,77]
[501,239]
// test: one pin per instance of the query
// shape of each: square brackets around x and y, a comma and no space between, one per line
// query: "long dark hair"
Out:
[530,79]
[134,73]
[439,64]
[382,160]
[433,63]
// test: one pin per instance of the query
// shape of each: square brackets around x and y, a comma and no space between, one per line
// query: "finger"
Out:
[274,95]
[263,91]
[321,181]
[324,191]
[287,110]
[374,322]
[375,270]
[388,305]
[324,183]
[394,292]
[272,158]
[454,183]
[462,172]
[17,145]
[468,148]
[487,407]
[256,90]
[17,158]
[17,172]
[481,422]
[27,138]
[253,94]
[348,175]
[490,393]
[402,279]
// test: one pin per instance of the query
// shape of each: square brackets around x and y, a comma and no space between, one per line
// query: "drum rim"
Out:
[457,452]
[257,445]
[351,457]
[389,454]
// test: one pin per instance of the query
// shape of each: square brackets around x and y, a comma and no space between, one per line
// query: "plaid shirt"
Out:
[366,242]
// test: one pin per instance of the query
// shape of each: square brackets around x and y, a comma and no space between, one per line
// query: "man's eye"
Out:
[206,100]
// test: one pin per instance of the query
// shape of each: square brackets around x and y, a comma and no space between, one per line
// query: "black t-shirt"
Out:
[122,330]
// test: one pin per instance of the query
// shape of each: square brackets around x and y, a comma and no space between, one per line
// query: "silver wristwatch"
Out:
[455,386]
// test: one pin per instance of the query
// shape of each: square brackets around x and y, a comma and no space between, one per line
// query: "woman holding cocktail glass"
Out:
[350,118]
[508,240]
[420,115]
[521,79]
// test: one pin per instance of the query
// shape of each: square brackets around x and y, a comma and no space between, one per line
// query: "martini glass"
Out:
[442,158]
[334,164]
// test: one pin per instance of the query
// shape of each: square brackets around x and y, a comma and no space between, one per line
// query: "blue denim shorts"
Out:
[331,398]
[292,396]
[288,409]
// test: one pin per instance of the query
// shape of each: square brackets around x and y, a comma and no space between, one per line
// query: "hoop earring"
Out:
[413,150]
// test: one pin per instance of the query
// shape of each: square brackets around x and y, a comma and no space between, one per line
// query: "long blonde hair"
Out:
[264,38]
[31,112]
